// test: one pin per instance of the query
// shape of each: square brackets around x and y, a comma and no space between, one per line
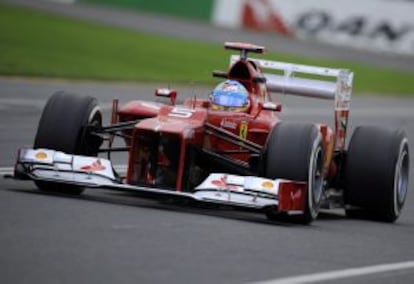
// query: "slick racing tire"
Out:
[376,173]
[62,127]
[294,151]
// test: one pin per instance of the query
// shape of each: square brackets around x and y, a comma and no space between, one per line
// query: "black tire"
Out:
[62,127]
[376,173]
[294,151]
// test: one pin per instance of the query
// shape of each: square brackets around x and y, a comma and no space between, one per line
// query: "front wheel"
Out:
[63,127]
[294,151]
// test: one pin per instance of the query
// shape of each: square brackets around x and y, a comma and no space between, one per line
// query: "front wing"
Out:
[218,188]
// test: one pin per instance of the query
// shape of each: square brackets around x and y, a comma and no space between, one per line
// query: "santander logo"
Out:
[222,183]
[94,167]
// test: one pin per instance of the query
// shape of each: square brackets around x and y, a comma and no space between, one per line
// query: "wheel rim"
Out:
[315,181]
[95,117]
[401,178]
[317,178]
[91,143]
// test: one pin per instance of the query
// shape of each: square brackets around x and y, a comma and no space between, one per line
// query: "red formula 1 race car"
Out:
[230,149]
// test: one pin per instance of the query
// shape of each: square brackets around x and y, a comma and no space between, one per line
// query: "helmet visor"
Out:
[226,99]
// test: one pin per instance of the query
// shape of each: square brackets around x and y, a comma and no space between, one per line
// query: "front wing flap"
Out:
[219,188]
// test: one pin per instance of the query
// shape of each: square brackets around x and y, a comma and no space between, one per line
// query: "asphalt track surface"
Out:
[113,237]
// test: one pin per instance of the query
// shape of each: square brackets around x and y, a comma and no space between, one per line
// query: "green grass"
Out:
[198,10]
[42,45]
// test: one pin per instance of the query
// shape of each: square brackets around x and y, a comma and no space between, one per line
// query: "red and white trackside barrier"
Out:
[377,25]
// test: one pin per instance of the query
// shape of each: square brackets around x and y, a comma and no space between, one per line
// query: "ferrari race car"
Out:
[230,150]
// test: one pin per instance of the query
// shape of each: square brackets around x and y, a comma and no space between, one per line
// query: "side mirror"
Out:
[271,106]
[268,106]
[167,93]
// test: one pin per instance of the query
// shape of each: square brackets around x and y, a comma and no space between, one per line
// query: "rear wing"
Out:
[291,82]
[338,90]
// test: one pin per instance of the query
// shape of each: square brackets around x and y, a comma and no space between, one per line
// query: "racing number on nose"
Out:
[181,112]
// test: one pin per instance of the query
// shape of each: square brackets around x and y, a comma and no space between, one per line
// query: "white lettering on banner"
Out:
[314,22]
[377,25]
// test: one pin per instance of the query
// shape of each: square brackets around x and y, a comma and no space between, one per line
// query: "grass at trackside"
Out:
[39,44]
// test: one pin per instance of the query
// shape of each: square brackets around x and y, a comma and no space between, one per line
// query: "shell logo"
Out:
[41,155]
[267,184]
[244,128]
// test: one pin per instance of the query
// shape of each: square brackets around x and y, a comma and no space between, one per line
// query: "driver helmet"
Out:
[230,95]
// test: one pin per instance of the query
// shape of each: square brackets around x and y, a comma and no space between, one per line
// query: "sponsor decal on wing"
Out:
[296,195]
[41,155]
[90,165]
[267,184]
[224,183]
[94,167]
[262,185]
[240,183]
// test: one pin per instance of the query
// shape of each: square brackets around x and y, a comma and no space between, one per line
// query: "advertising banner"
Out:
[378,25]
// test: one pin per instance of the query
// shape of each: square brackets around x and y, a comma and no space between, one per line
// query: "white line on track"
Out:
[341,274]
[6,171]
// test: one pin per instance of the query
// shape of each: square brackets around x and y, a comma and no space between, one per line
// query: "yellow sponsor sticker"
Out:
[41,155]
[243,130]
[267,184]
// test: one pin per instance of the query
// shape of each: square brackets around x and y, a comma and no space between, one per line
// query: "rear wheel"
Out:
[63,127]
[294,151]
[376,173]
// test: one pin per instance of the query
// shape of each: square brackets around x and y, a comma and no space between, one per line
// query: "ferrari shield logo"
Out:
[243,130]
